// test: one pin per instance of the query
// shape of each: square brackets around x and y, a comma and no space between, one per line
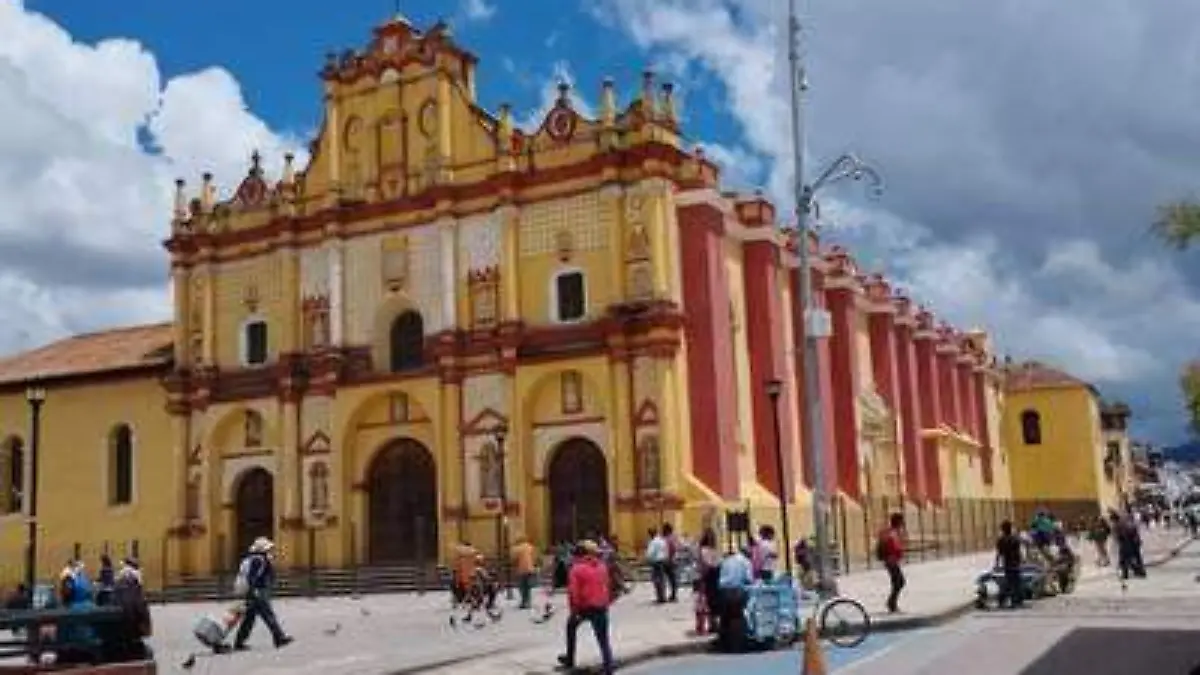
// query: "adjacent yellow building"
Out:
[1068,451]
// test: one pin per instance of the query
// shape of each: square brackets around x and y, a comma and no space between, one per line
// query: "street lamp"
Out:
[500,433]
[35,396]
[817,324]
[774,389]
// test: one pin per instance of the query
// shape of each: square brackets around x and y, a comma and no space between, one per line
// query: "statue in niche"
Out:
[649,464]
[489,471]
[398,411]
[318,497]
[253,429]
[572,393]
[395,263]
[191,498]
[641,281]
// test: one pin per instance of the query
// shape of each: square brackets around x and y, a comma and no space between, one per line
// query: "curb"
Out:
[703,646]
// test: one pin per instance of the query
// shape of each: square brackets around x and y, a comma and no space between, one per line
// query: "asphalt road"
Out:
[773,663]
[1145,627]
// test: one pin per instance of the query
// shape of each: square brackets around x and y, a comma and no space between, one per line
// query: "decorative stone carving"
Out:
[399,408]
[316,414]
[645,380]
[315,314]
[483,287]
[364,289]
[480,243]
[318,488]
[489,471]
[485,392]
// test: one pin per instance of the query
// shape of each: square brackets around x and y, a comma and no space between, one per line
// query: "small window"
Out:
[570,299]
[120,462]
[255,343]
[407,342]
[1031,427]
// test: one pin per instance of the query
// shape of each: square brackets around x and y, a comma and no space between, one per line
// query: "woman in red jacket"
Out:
[588,596]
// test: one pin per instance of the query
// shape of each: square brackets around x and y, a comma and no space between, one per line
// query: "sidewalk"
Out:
[937,592]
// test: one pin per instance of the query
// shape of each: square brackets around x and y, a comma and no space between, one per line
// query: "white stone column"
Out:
[447,233]
[336,253]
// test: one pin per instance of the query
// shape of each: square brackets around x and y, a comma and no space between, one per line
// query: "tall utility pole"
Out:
[816,321]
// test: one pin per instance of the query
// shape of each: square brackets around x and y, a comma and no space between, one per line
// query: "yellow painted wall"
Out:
[73,504]
[1068,464]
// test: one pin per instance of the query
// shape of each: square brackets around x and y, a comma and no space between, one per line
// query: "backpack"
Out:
[241,583]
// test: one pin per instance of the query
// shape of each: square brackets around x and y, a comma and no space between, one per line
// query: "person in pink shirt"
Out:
[588,596]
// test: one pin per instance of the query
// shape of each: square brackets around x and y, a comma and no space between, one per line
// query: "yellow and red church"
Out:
[442,316]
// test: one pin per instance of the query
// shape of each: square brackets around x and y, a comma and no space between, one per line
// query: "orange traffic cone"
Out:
[813,659]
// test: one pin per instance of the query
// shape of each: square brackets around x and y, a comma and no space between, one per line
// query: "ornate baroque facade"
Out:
[365,349]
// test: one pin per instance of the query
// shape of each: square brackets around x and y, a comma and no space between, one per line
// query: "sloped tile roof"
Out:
[119,349]
[1036,375]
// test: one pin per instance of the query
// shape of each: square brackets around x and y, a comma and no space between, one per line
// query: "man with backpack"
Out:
[256,575]
[889,550]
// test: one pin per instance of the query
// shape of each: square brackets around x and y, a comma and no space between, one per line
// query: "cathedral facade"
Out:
[443,326]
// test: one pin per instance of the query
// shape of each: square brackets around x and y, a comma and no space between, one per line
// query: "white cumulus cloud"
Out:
[87,203]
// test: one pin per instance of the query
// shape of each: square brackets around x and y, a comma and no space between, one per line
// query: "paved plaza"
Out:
[381,634]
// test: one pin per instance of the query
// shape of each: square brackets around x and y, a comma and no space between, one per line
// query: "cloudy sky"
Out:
[1024,144]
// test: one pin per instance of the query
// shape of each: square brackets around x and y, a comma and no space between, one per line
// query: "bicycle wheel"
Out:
[845,622]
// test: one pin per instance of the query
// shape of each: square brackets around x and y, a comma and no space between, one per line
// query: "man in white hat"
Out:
[257,575]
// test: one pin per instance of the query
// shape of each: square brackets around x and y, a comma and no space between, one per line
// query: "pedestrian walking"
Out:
[256,576]
[671,565]
[708,564]
[889,549]
[1099,534]
[105,581]
[1008,560]
[656,557]
[523,555]
[588,597]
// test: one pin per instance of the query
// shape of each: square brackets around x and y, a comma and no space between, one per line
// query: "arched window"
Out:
[120,466]
[1031,427]
[12,450]
[649,464]
[570,296]
[407,342]
[489,471]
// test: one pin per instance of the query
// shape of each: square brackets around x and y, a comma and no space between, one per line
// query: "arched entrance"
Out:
[254,509]
[402,504]
[578,482]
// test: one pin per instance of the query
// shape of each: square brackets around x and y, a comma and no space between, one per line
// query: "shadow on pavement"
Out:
[1112,651]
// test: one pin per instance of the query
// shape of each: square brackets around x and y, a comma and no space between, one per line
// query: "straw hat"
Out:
[262,545]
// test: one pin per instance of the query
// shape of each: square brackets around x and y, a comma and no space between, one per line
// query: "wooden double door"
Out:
[402,513]
[577,478]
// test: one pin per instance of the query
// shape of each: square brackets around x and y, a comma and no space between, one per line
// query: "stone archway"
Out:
[402,504]
[577,478]
[254,509]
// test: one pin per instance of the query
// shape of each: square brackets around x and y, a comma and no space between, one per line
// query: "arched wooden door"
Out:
[578,482]
[402,504]
[254,509]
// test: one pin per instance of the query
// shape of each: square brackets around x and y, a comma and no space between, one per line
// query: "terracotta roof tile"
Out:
[114,350]
[1036,375]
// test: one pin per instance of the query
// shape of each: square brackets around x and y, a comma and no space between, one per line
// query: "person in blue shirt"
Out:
[734,577]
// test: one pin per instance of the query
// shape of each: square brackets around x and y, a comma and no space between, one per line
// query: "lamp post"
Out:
[774,389]
[35,396]
[817,323]
[501,433]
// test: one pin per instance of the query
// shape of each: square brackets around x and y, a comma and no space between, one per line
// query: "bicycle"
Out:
[842,620]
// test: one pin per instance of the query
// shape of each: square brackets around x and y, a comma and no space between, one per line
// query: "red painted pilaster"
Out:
[915,471]
[947,358]
[825,359]
[712,394]
[842,295]
[765,333]
[931,411]
[881,325]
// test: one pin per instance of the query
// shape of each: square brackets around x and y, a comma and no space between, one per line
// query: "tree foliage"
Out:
[1190,383]
[1178,223]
